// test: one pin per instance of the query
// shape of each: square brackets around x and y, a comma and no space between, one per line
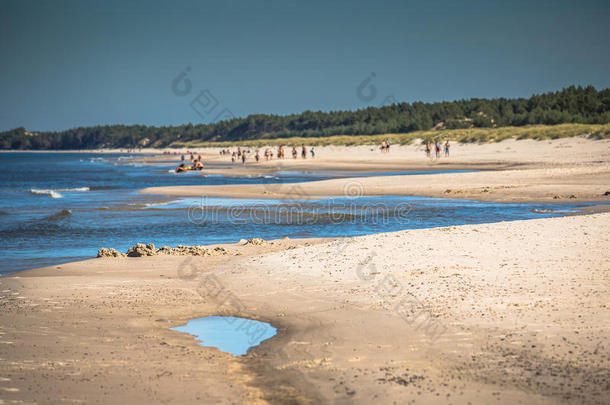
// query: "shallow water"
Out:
[60,207]
[229,334]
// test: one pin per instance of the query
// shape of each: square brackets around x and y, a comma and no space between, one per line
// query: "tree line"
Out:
[584,105]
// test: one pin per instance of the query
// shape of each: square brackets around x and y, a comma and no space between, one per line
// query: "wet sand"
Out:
[574,169]
[496,313]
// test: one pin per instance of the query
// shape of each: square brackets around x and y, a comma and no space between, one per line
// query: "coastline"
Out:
[503,307]
[573,170]
[571,184]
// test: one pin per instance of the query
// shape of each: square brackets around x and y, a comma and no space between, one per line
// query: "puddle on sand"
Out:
[228,333]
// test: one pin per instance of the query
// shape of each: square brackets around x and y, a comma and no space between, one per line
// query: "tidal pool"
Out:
[228,333]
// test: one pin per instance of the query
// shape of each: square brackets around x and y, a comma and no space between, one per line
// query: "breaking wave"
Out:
[56,193]
[50,193]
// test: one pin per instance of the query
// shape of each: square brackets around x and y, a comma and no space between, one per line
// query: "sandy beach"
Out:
[303,203]
[496,313]
[508,312]
[573,169]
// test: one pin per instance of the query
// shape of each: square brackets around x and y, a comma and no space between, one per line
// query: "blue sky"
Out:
[80,63]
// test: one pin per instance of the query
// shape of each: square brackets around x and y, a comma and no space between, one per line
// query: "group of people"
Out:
[437,148]
[196,163]
[385,145]
[240,154]
[268,154]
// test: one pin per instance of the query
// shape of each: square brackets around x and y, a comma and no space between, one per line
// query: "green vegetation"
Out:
[474,120]
[538,132]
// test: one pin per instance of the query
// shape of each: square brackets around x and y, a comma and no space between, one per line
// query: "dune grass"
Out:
[472,135]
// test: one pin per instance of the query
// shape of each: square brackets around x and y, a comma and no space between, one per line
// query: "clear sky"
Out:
[85,62]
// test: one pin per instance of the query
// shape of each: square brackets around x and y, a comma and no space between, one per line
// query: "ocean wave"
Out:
[157,204]
[50,193]
[74,189]
[55,193]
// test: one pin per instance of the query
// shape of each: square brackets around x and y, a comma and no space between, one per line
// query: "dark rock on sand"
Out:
[103,252]
[197,250]
[141,249]
[253,241]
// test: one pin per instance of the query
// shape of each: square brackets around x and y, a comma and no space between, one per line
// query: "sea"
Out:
[63,207]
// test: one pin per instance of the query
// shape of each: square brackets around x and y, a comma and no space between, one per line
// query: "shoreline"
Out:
[526,185]
[576,170]
[322,350]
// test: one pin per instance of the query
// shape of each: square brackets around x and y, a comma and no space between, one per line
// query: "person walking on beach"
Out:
[303,151]
[447,148]
[294,152]
[387,145]
[257,156]
[428,148]
[437,148]
[243,158]
[313,152]
[233,157]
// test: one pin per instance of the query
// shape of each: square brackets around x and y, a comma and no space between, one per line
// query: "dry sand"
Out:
[574,169]
[502,313]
